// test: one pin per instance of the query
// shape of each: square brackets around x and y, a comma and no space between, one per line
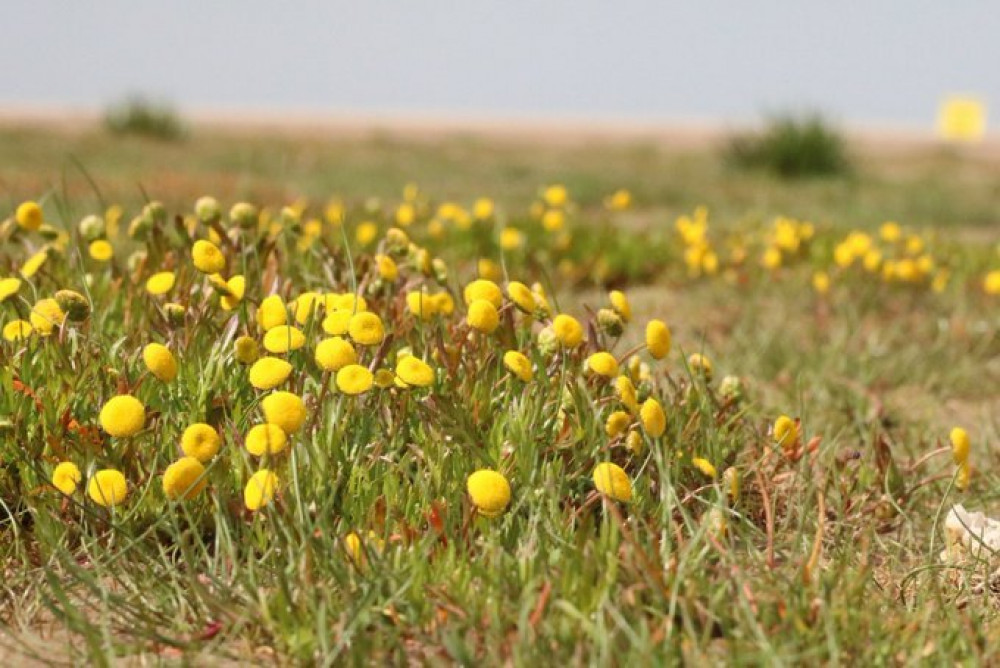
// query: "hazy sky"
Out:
[866,62]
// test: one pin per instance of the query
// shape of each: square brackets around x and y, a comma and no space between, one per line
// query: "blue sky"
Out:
[874,62]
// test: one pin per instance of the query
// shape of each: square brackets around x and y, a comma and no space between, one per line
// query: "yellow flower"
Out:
[284,409]
[621,305]
[511,238]
[522,296]
[890,231]
[354,379]
[568,330]
[413,371]
[200,441]
[483,289]
[233,291]
[821,282]
[283,338]
[271,313]
[384,378]
[366,233]
[9,287]
[260,489]
[482,208]
[488,271]
[959,446]
[964,476]
[698,363]
[160,361]
[184,479]
[65,477]
[786,432]
[160,283]
[100,250]
[245,350]
[268,373]
[657,339]
[611,480]
[334,354]
[405,214]
[266,439]
[207,257]
[654,420]
[123,415]
[519,365]
[366,328]
[483,316]
[991,282]
[626,393]
[46,316]
[421,304]
[337,323]
[490,492]
[555,195]
[731,477]
[705,467]
[553,220]
[107,488]
[617,423]
[387,269]
[305,306]
[620,200]
[17,329]
[603,364]
[29,215]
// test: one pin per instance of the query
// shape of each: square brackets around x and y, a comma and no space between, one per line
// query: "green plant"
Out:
[792,147]
[138,115]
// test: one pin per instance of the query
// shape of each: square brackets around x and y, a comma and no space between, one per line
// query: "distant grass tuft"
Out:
[141,116]
[792,147]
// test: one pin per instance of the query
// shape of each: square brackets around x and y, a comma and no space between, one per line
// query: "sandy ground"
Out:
[683,134]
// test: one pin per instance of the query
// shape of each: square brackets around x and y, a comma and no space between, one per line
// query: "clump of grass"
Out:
[141,116]
[792,147]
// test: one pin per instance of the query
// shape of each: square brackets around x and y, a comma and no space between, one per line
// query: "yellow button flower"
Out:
[354,379]
[603,364]
[284,409]
[337,323]
[654,420]
[483,316]
[65,477]
[483,289]
[100,250]
[207,257]
[9,287]
[700,364]
[29,215]
[568,330]
[160,283]
[335,353]
[617,423]
[266,439]
[657,339]
[245,350]
[490,492]
[522,296]
[387,269]
[612,481]
[283,338]
[160,361]
[366,328]
[260,489]
[705,467]
[620,304]
[519,365]
[17,329]
[46,316]
[421,304]
[413,371]
[107,488]
[626,393]
[123,415]
[271,313]
[184,479]
[268,373]
[786,432]
[959,446]
[200,441]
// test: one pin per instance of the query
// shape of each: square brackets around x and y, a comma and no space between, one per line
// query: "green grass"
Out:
[839,577]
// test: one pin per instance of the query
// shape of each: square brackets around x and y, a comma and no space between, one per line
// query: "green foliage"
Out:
[146,118]
[792,147]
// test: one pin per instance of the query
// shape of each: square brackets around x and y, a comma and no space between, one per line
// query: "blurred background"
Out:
[880,64]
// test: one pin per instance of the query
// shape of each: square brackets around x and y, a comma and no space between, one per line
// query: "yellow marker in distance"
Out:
[962,119]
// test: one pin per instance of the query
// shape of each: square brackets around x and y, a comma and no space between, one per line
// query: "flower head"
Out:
[271,312]
[65,477]
[29,215]
[959,446]
[284,409]
[17,329]
[107,488]
[413,371]
[123,415]
[490,492]
[245,350]
[260,489]
[160,283]
[621,305]
[654,420]
[483,316]
[519,365]
[603,364]
[283,338]
[266,439]
[354,379]
[334,354]
[612,481]
[268,373]
[786,432]
[568,330]
[366,328]
[200,441]
[657,339]
[160,361]
[207,257]
[483,289]
[705,467]
[46,316]
[184,479]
